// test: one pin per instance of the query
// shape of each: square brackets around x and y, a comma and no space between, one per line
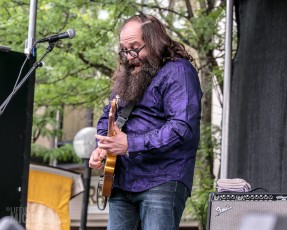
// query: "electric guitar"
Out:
[111,159]
[106,180]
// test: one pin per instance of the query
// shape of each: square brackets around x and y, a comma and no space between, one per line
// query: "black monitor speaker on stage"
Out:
[15,135]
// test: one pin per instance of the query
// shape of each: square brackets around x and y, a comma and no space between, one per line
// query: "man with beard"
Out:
[156,148]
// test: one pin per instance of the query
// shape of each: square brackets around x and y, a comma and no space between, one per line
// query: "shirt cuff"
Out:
[135,144]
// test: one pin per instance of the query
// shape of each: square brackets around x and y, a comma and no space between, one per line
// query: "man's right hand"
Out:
[97,157]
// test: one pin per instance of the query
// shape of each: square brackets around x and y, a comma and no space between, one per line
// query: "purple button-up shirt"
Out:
[162,131]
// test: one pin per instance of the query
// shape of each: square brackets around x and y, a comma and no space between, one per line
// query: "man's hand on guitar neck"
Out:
[116,144]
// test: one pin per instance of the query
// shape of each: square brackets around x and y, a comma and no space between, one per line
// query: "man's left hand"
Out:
[117,144]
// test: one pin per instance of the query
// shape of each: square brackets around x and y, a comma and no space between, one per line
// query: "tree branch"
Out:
[161,9]
[100,67]
[189,9]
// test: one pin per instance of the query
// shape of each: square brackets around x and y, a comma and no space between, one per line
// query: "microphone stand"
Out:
[20,84]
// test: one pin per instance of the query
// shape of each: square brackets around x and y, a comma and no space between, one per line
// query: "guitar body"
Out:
[111,159]
[109,174]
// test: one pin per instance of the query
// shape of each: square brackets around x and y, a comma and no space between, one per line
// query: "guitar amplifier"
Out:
[232,211]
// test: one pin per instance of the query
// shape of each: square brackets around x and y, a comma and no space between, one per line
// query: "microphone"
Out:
[69,34]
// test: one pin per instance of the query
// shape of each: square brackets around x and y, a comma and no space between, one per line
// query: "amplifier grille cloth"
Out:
[228,214]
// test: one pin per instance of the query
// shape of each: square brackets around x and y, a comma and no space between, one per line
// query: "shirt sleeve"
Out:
[181,95]
[102,126]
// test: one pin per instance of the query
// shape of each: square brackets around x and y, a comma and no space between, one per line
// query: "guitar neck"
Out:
[112,118]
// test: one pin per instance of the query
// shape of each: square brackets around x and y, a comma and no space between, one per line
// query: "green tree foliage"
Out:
[77,72]
[63,153]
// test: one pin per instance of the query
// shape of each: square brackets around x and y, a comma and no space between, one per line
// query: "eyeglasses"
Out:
[133,52]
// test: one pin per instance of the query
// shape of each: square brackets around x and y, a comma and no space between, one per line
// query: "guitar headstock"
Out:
[117,100]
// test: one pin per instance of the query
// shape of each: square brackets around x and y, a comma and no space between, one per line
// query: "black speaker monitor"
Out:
[15,135]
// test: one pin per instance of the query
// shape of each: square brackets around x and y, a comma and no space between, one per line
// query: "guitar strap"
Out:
[124,115]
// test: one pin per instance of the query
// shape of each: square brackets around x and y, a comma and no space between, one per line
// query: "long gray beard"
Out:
[131,86]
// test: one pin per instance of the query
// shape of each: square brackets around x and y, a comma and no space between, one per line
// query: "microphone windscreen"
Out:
[71,33]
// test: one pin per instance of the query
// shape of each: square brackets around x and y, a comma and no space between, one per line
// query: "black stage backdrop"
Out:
[258,112]
[15,136]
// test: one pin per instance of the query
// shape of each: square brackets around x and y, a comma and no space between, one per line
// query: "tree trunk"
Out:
[206,135]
